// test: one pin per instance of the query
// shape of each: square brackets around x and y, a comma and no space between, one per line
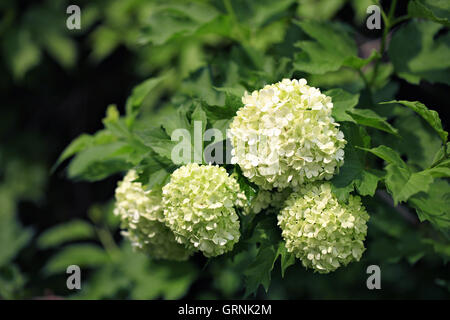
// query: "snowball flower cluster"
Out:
[142,216]
[323,233]
[265,199]
[199,207]
[284,135]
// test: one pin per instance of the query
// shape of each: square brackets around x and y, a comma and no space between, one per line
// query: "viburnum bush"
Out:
[280,147]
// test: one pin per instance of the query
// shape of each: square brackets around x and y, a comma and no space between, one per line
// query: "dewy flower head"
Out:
[323,233]
[199,207]
[142,216]
[285,136]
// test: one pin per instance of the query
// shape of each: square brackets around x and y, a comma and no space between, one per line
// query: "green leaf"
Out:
[158,178]
[368,181]
[441,154]
[268,236]
[258,14]
[153,279]
[181,20]
[343,102]
[419,142]
[353,174]
[418,53]
[402,184]
[259,272]
[82,255]
[430,116]
[179,120]
[135,100]
[134,276]
[100,161]
[250,190]
[190,118]
[387,154]
[154,170]
[115,124]
[435,10]
[225,112]
[332,49]
[20,52]
[78,144]
[199,115]
[287,258]
[70,231]
[61,48]
[433,206]
[12,237]
[319,10]
[400,181]
[442,170]
[357,62]
[83,142]
[369,118]
[12,282]
[157,140]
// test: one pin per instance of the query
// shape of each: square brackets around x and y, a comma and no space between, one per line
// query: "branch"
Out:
[401,209]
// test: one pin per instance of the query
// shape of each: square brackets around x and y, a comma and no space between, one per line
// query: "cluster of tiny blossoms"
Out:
[285,136]
[199,207]
[265,199]
[142,218]
[323,233]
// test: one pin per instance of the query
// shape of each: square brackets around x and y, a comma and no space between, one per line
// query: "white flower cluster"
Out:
[142,216]
[285,141]
[265,199]
[285,136]
[199,207]
[323,233]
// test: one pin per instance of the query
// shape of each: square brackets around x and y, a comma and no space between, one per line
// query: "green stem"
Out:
[387,25]
[400,19]
[107,241]
[366,83]
[392,9]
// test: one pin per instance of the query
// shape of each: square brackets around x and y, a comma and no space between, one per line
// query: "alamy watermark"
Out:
[374,280]
[74,280]
[74,20]
[374,19]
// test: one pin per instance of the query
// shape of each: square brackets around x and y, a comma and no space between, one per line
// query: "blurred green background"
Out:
[55,84]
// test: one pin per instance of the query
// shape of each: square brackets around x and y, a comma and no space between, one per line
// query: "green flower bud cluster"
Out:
[199,207]
[142,217]
[323,233]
